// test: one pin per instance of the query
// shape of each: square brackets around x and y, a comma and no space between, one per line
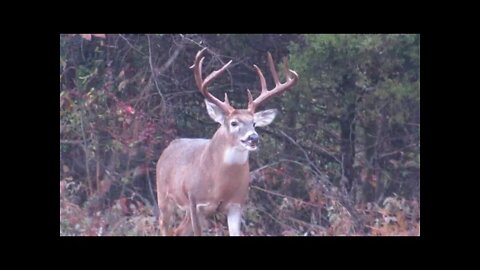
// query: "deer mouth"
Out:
[250,145]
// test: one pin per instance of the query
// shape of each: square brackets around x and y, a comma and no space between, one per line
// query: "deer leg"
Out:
[234,218]
[201,215]
[165,212]
[185,227]
[194,216]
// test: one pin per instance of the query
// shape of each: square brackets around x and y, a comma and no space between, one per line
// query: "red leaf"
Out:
[130,110]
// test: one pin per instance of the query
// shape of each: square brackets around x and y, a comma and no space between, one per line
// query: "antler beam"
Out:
[292,78]
[203,84]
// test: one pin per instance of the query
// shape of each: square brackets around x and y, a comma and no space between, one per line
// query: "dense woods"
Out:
[341,158]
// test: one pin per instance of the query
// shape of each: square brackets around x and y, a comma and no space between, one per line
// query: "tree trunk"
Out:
[347,130]
[367,190]
[347,126]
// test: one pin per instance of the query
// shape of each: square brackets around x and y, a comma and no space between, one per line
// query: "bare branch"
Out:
[71,142]
[285,196]
[154,74]
[130,44]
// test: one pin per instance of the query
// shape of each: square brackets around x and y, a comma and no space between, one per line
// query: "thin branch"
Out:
[318,150]
[71,142]
[274,219]
[150,189]
[286,160]
[85,149]
[306,223]
[131,46]
[301,149]
[170,60]
[154,73]
[284,196]
[383,155]
[326,152]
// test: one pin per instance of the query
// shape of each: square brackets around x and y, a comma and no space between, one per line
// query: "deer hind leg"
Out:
[185,227]
[190,223]
[165,212]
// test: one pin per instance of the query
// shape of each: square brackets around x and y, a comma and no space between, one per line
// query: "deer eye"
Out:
[254,124]
[234,123]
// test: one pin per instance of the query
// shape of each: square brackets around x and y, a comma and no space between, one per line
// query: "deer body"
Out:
[214,190]
[204,176]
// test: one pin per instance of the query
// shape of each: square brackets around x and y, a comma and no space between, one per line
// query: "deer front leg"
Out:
[194,216]
[234,218]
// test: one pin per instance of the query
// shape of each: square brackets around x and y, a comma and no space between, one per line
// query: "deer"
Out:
[206,176]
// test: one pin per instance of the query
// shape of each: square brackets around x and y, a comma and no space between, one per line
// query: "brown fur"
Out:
[189,163]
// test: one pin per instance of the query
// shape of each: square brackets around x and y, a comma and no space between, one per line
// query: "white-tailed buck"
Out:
[205,176]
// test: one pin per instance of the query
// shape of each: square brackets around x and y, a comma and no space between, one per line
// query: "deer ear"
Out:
[264,118]
[214,112]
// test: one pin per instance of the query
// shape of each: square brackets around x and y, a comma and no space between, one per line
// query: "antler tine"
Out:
[203,84]
[263,83]
[288,71]
[273,71]
[250,98]
[279,88]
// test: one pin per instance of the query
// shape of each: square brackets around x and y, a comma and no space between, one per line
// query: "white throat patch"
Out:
[235,156]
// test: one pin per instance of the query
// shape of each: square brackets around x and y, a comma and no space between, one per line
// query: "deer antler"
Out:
[202,84]
[291,76]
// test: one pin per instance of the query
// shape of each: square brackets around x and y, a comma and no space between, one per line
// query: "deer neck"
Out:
[223,150]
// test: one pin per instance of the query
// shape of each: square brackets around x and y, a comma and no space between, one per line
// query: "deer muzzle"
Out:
[251,142]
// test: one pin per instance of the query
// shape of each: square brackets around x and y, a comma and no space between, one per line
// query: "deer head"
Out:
[241,123]
[204,176]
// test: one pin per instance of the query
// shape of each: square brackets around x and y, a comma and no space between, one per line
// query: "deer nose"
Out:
[253,138]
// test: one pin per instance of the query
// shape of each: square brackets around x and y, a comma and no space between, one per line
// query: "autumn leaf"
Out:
[130,110]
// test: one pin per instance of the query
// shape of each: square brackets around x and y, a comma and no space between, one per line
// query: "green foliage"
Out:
[376,74]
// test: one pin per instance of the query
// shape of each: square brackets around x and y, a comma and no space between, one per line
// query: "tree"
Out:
[361,85]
